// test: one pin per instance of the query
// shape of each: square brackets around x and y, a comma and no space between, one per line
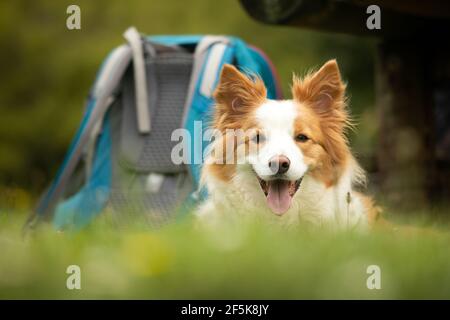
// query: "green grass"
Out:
[247,261]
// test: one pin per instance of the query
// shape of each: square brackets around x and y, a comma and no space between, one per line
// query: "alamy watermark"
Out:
[373,22]
[73,21]
[73,281]
[374,279]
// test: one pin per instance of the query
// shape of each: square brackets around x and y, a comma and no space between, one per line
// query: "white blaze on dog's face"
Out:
[289,138]
[276,120]
[278,163]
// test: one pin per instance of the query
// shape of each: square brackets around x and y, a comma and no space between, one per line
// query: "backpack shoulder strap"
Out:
[140,82]
[205,68]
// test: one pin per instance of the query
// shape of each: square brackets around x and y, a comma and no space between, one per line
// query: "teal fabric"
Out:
[171,40]
[78,210]
[43,204]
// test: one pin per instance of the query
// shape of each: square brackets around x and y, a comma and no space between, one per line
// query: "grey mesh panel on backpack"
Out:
[168,77]
[145,181]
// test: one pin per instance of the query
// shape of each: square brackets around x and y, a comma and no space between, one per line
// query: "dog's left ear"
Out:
[323,90]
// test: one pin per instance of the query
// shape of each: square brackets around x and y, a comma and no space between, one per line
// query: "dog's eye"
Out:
[259,138]
[301,138]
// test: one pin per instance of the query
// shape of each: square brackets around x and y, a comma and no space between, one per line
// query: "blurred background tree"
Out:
[47,71]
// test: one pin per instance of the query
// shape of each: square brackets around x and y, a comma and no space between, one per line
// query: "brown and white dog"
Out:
[301,166]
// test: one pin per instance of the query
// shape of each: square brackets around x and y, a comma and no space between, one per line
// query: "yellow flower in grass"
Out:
[146,254]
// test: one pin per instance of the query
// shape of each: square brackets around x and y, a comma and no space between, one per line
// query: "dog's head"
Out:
[283,139]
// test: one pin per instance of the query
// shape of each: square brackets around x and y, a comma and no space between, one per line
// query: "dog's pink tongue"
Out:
[278,197]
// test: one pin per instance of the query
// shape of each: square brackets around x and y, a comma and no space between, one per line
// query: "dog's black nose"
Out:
[279,164]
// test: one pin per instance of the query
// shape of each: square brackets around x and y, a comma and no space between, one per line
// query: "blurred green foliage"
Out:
[245,261]
[47,70]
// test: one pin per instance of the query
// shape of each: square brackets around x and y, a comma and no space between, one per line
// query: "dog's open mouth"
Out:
[279,193]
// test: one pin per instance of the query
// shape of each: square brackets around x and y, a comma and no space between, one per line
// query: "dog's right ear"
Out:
[237,94]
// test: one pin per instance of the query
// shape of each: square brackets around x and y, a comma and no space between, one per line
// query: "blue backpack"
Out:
[119,161]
